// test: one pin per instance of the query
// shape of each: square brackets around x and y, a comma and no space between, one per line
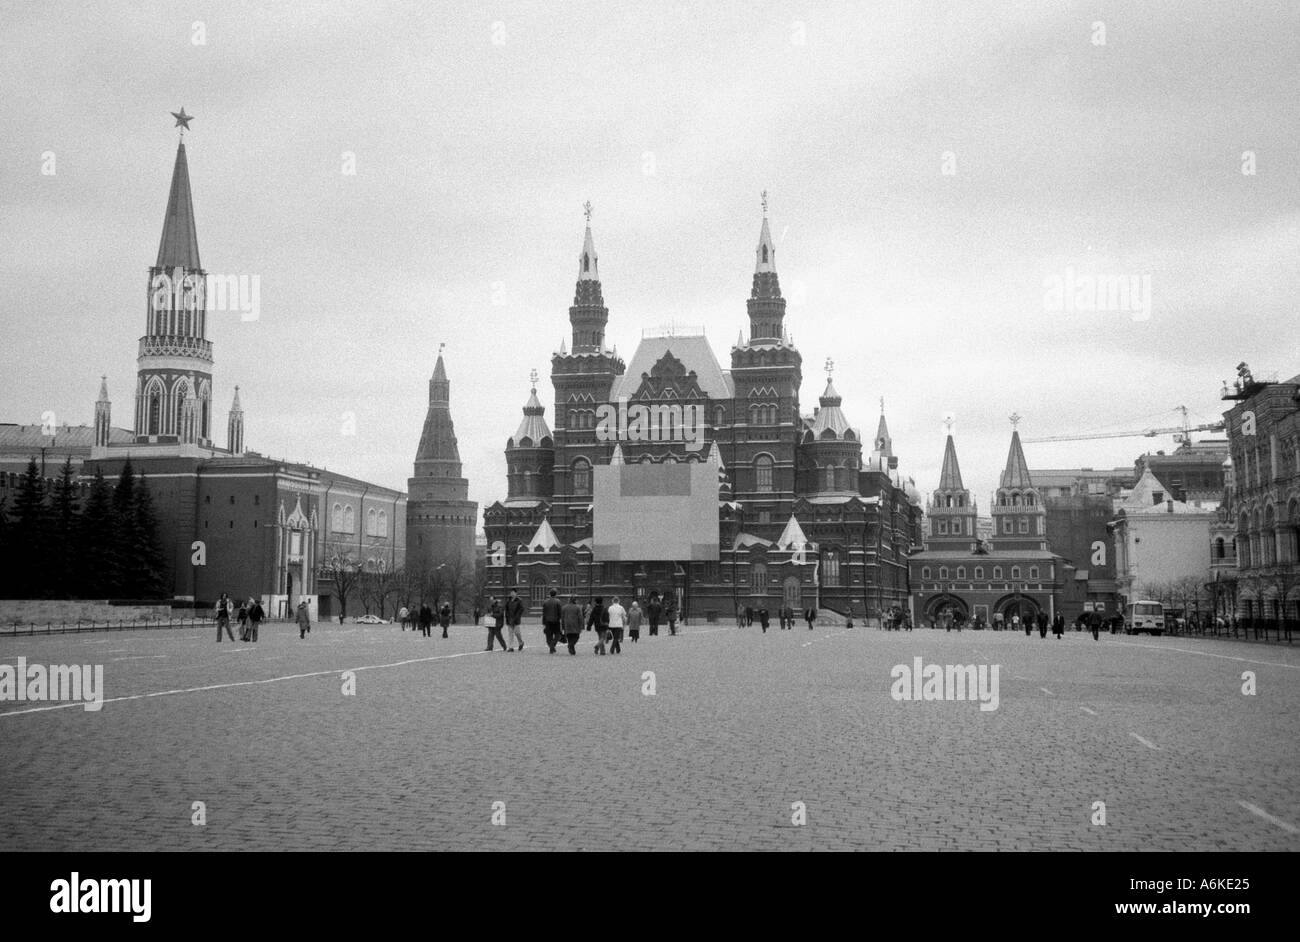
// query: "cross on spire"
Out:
[1015,419]
[882,405]
[764,195]
[532,378]
[830,368]
[586,210]
[948,423]
[441,347]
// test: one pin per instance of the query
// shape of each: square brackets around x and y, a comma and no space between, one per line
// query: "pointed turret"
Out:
[766,306]
[1019,517]
[530,453]
[588,315]
[103,415]
[830,417]
[533,429]
[1016,473]
[235,427]
[179,247]
[616,457]
[544,540]
[792,537]
[438,454]
[950,476]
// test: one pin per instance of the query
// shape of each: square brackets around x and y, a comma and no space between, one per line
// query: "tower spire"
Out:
[179,246]
[588,315]
[766,306]
[235,427]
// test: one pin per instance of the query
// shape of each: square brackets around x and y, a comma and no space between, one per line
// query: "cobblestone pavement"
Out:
[741,726]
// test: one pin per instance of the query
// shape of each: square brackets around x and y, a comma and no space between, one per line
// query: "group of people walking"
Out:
[563,622]
[249,614]
[423,618]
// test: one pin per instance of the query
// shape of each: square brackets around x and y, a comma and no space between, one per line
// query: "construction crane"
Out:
[1182,433]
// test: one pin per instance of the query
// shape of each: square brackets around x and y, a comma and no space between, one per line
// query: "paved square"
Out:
[741,727]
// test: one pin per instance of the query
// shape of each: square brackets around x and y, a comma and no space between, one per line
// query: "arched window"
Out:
[831,568]
[586,262]
[582,477]
[979,572]
[372,522]
[336,519]
[383,523]
[764,254]
[830,477]
[961,572]
[758,576]
[997,573]
[763,473]
[349,520]
[155,412]
[1015,572]
[943,572]
[1033,573]
[925,572]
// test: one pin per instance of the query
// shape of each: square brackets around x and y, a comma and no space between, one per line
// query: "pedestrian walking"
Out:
[634,615]
[255,615]
[653,612]
[552,621]
[810,616]
[404,616]
[762,619]
[749,616]
[1058,626]
[617,621]
[514,615]
[740,617]
[426,620]
[243,622]
[304,620]
[444,617]
[907,621]
[223,618]
[497,616]
[1042,624]
[598,621]
[1094,623]
[571,620]
[670,615]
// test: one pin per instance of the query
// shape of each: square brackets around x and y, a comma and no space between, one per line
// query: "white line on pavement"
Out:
[1146,742]
[139,657]
[1226,657]
[1046,691]
[1256,810]
[240,683]
[1089,712]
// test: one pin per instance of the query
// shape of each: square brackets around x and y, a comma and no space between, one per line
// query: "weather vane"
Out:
[182,120]
[1015,419]
[882,405]
[532,378]
[586,209]
[764,194]
[830,367]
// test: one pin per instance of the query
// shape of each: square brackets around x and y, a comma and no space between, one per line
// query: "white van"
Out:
[1144,615]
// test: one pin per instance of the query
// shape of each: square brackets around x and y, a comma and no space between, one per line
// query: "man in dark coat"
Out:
[497,616]
[653,612]
[1042,624]
[514,615]
[255,615]
[1058,626]
[552,620]
[571,622]
[444,617]
[810,615]
[762,619]
[426,620]
[598,621]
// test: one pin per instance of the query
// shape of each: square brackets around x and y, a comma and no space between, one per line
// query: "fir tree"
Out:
[97,565]
[149,560]
[124,539]
[30,537]
[64,522]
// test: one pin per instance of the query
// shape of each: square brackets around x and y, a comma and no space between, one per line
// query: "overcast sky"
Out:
[479,130]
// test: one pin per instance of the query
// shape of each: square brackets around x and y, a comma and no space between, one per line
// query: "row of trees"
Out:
[56,545]
[1192,596]
[455,580]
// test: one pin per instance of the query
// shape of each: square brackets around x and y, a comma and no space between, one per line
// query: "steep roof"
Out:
[1016,473]
[692,350]
[830,417]
[950,477]
[533,426]
[179,247]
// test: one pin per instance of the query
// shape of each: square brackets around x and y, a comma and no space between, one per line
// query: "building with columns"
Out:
[806,515]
